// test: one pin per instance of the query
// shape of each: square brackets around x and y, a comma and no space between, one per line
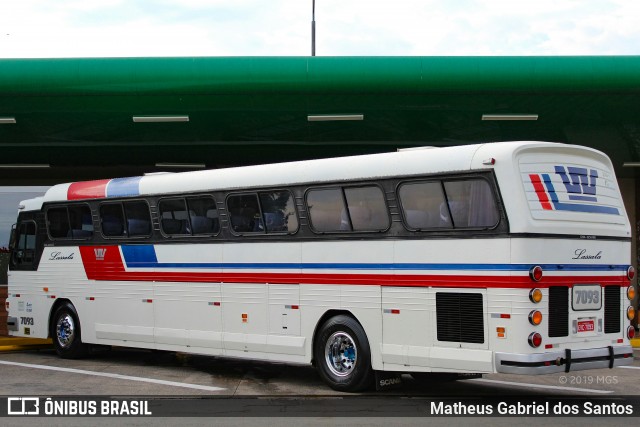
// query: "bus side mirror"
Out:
[12,239]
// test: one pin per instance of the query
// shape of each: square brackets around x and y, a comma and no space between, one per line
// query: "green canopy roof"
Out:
[77,115]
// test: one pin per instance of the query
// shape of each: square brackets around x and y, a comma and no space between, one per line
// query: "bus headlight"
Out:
[631,313]
[535,339]
[535,317]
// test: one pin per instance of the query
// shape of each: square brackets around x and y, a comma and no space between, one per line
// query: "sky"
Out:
[126,28]
[121,28]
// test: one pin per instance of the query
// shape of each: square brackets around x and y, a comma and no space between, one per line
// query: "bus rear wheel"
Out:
[65,333]
[342,354]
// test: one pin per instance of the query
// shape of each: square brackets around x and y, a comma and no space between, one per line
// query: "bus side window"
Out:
[174,218]
[112,220]
[80,222]
[203,215]
[471,203]
[138,218]
[58,223]
[70,222]
[279,212]
[367,209]
[244,213]
[327,211]
[424,206]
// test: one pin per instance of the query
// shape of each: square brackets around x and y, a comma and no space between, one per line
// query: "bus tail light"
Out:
[631,292]
[535,295]
[535,273]
[535,339]
[631,332]
[631,272]
[535,318]
[631,313]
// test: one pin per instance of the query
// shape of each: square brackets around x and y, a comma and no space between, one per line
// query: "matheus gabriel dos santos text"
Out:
[533,408]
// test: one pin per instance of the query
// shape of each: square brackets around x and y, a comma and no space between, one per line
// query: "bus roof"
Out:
[533,177]
[277,174]
[384,165]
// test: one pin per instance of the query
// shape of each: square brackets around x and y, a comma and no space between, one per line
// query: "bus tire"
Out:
[342,354]
[66,332]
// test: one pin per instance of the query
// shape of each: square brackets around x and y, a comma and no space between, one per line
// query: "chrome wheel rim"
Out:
[65,330]
[341,354]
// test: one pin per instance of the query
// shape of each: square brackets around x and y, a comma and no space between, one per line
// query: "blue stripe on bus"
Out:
[144,256]
[123,187]
[574,207]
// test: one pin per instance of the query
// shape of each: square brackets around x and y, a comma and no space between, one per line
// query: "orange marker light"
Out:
[631,313]
[535,295]
[535,317]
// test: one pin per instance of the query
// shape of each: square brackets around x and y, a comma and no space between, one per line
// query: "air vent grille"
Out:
[460,317]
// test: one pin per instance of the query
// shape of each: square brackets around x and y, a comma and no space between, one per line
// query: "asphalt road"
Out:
[262,391]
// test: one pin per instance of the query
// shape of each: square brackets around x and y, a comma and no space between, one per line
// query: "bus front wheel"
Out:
[342,354]
[65,333]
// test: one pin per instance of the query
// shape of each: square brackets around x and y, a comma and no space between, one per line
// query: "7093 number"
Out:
[587,297]
[26,321]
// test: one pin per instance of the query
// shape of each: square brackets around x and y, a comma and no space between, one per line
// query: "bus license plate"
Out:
[586,297]
[588,325]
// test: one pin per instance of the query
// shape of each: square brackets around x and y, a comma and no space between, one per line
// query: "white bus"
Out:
[503,257]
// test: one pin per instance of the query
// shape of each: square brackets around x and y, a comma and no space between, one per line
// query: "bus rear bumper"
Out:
[564,361]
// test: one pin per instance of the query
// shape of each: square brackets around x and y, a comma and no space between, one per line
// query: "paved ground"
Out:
[36,370]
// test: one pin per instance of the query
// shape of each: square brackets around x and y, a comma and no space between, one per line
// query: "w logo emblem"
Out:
[579,182]
[100,253]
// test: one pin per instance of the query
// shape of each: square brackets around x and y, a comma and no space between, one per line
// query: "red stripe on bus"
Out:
[540,191]
[88,190]
[110,266]
[350,279]
[102,263]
